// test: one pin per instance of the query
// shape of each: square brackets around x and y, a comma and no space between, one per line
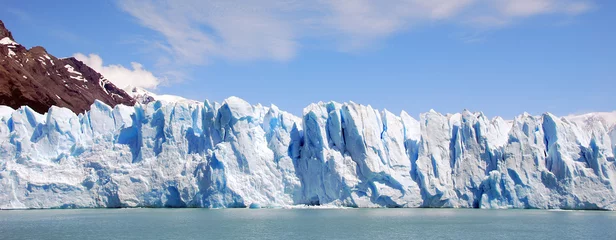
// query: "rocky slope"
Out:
[39,80]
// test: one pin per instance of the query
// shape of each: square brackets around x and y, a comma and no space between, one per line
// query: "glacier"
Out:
[233,154]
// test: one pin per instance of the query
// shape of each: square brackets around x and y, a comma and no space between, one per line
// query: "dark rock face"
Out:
[35,78]
[5,32]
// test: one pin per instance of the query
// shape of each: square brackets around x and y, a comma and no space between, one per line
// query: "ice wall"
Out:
[184,154]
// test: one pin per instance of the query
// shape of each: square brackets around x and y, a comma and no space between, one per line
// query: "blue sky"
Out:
[502,57]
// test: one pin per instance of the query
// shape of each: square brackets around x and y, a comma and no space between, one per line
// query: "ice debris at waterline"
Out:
[183,154]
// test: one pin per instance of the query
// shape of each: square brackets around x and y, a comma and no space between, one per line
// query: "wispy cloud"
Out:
[21,15]
[120,75]
[197,31]
[500,13]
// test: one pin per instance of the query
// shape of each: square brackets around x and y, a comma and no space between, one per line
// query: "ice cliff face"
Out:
[183,154]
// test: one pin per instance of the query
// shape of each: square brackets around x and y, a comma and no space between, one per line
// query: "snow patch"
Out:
[7,41]
[71,70]
[11,53]
[607,118]
[78,78]
[102,82]
[143,96]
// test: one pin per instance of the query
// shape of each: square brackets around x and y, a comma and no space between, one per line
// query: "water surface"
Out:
[306,224]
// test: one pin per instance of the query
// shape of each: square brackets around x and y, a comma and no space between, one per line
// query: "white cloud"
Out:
[524,7]
[577,7]
[118,74]
[229,29]
[508,11]
[196,31]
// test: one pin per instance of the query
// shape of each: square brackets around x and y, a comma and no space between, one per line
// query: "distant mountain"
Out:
[143,96]
[39,80]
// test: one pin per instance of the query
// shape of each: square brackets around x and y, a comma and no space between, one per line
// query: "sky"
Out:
[501,57]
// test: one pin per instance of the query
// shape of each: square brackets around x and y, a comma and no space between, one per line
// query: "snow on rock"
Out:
[187,154]
[71,70]
[11,53]
[143,96]
[102,82]
[7,41]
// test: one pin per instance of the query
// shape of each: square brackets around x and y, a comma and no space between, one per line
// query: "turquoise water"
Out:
[306,224]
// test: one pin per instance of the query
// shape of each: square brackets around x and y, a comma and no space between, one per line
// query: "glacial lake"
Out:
[306,224]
